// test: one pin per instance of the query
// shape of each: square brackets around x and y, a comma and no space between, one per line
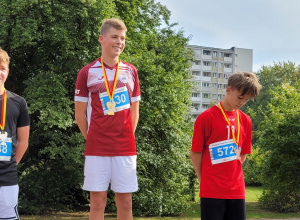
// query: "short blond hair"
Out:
[112,23]
[245,82]
[4,58]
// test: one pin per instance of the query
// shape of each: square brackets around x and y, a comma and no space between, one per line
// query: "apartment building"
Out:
[211,70]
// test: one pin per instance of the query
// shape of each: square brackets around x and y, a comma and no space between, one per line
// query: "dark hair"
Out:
[246,83]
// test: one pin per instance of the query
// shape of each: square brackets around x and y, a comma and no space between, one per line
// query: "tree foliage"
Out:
[49,41]
[279,141]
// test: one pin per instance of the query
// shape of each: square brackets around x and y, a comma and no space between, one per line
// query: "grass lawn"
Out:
[252,206]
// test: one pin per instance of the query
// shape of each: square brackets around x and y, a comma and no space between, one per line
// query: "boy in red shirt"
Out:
[221,141]
[107,99]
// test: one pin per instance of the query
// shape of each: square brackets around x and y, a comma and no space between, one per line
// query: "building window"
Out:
[206,63]
[227,54]
[197,62]
[224,86]
[215,64]
[227,65]
[220,75]
[226,76]
[219,86]
[215,75]
[215,53]
[196,106]
[214,85]
[205,106]
[205,84]
[195,94]
[213,96]
[196,73]
[207,74]
[220,96]
[221,54]
[206,52]
[205,95]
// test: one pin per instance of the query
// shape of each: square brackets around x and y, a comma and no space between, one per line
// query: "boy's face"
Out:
[3,72]
[235,99]
[113,42]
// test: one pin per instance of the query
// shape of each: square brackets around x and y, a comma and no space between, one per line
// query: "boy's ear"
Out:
[228,89]
[100,39]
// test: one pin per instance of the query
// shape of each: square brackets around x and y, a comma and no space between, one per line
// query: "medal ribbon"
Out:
[238,121]
[112,90]
[3,113]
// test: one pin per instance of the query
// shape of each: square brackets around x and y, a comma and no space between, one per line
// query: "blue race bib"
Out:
[222,151]
[6,150]
[121,98]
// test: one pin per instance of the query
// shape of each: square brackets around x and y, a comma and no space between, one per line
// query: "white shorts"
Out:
[119,171]
[9,202]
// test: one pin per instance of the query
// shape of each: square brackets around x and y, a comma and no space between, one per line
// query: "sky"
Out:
[270,27]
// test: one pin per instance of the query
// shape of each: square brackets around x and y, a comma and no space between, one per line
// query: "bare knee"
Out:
[124,201]
[98,201]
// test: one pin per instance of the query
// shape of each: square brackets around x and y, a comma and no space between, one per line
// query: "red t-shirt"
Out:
[108,135]
[223,180]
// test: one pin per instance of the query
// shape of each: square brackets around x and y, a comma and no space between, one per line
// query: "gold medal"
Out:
[111,105]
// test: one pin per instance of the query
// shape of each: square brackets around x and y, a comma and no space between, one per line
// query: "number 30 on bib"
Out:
[121,98]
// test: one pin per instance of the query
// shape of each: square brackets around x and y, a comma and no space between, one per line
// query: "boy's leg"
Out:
[97,205]
[97,174]
[212,209]
[9,202]
[124,206]
[123,183]
[236,209]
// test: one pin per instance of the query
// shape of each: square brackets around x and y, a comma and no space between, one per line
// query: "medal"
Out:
[236,141]
[3,135]
[111,105]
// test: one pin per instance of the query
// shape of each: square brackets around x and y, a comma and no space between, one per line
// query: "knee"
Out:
[98,204]
[124,202]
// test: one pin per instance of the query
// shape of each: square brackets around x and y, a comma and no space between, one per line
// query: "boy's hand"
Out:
[238,152]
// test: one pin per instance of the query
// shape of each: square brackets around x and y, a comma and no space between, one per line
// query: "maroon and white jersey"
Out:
[108,135]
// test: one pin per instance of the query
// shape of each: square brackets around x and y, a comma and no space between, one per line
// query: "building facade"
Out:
[210,72]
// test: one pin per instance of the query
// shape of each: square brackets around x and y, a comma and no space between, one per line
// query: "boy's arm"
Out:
[243,157]
[80,117]
[22,144]
[196,158]
[135,114]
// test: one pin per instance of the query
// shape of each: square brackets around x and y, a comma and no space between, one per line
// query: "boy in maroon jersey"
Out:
[107,99]
[221,141]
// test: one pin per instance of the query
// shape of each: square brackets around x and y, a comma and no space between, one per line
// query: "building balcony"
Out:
[196,99]
[207,67]
[228,70]
[196,67]
[228,59]
[206,78]
[206,57]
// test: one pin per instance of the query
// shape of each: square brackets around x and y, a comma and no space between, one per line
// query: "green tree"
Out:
[49,41]
[279,142]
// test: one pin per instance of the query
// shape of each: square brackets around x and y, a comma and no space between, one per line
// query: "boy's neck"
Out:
[1,89]
[226,106]
[110,61]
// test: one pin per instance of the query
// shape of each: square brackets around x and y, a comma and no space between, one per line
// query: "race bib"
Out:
[6,150]
[223,151]
[121,98]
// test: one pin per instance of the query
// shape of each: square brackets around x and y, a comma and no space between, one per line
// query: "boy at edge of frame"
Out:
[221,141]
[107,99]
[14,136]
